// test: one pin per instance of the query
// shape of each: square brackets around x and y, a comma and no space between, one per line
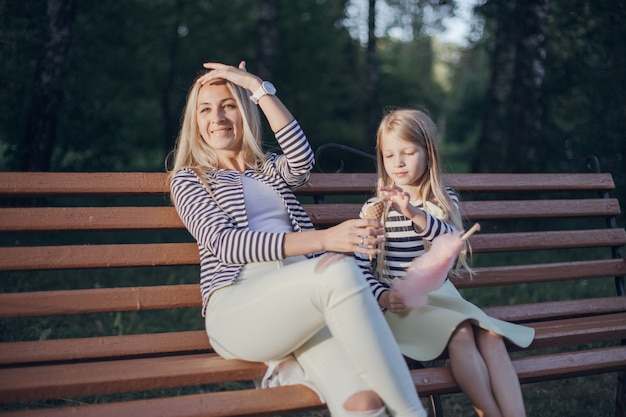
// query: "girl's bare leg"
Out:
[504,381]
[471,372]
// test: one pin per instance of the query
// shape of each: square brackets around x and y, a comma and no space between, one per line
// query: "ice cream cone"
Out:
[373,209]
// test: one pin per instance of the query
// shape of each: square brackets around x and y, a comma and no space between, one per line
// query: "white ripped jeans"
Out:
[328,320]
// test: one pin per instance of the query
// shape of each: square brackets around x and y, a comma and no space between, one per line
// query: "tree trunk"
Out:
[35,151]
[267,38]
[371,100]
[492,142]
[511,135]
[524,150]
[170,121]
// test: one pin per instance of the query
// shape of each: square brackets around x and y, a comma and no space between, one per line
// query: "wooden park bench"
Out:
[99,307]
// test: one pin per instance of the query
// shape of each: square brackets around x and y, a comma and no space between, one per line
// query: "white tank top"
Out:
[265,208]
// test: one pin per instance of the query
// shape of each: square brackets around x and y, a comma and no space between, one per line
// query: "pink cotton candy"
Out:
[429,271]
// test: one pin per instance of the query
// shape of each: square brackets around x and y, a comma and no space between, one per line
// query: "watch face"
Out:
[269,88]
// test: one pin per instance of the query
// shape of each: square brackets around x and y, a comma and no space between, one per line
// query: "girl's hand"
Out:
[357,235]
[399,199]
[236,75]
[392,301]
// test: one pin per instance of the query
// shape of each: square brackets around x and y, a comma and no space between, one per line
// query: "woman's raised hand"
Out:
[236,75]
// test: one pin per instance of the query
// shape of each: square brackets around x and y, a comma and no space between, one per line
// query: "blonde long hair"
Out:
[417,127]
[192,151]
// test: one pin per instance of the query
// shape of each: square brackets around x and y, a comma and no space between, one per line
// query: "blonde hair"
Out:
[192,151]
[417,127]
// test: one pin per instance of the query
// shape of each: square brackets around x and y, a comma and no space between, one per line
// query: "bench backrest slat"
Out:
[37,184]
[538,273]
[119,183]
[98,300]
[163,218]
[24,258]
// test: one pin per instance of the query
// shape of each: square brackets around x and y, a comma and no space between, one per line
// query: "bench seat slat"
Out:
[180,342]
[83,379]
[574,331]
[249,402]
[107,347]
[94,378]
[97,300]
[533,369]
[296,397]
[551,310]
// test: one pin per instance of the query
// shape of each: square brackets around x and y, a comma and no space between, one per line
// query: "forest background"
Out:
[537,86]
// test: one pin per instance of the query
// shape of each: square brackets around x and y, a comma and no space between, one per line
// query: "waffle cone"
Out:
[373,209]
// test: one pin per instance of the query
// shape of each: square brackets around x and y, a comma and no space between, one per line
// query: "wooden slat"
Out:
[134,218]
[346,183]
[581,330]
[94,378]
[97,300]
[562,239]
[537,273]
[108,347]
[533,369]
[27,258]
[529,209]
[38,184]
[521,313]
[553,333]
[342,183]
[530,182]
[249,402]
[118,183]
[88,218]
[293,398]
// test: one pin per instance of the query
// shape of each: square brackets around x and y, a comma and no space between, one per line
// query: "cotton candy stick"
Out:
[475,228]
[429,271]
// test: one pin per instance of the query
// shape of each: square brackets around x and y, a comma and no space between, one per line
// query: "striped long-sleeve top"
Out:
[219,222]
[403,243]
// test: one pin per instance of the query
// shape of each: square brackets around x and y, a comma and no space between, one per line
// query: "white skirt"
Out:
[423,334]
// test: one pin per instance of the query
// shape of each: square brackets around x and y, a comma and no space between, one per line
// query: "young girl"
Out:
[269,292]
[420,208]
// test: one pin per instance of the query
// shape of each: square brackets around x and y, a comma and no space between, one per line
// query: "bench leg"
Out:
[435,406]
[620,395]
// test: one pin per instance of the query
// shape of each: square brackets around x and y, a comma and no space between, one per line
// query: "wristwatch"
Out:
[265,88]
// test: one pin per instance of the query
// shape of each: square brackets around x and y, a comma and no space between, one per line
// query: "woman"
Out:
[270,291]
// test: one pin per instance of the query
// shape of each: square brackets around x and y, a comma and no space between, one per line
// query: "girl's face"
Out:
[404,162]
[219,119]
